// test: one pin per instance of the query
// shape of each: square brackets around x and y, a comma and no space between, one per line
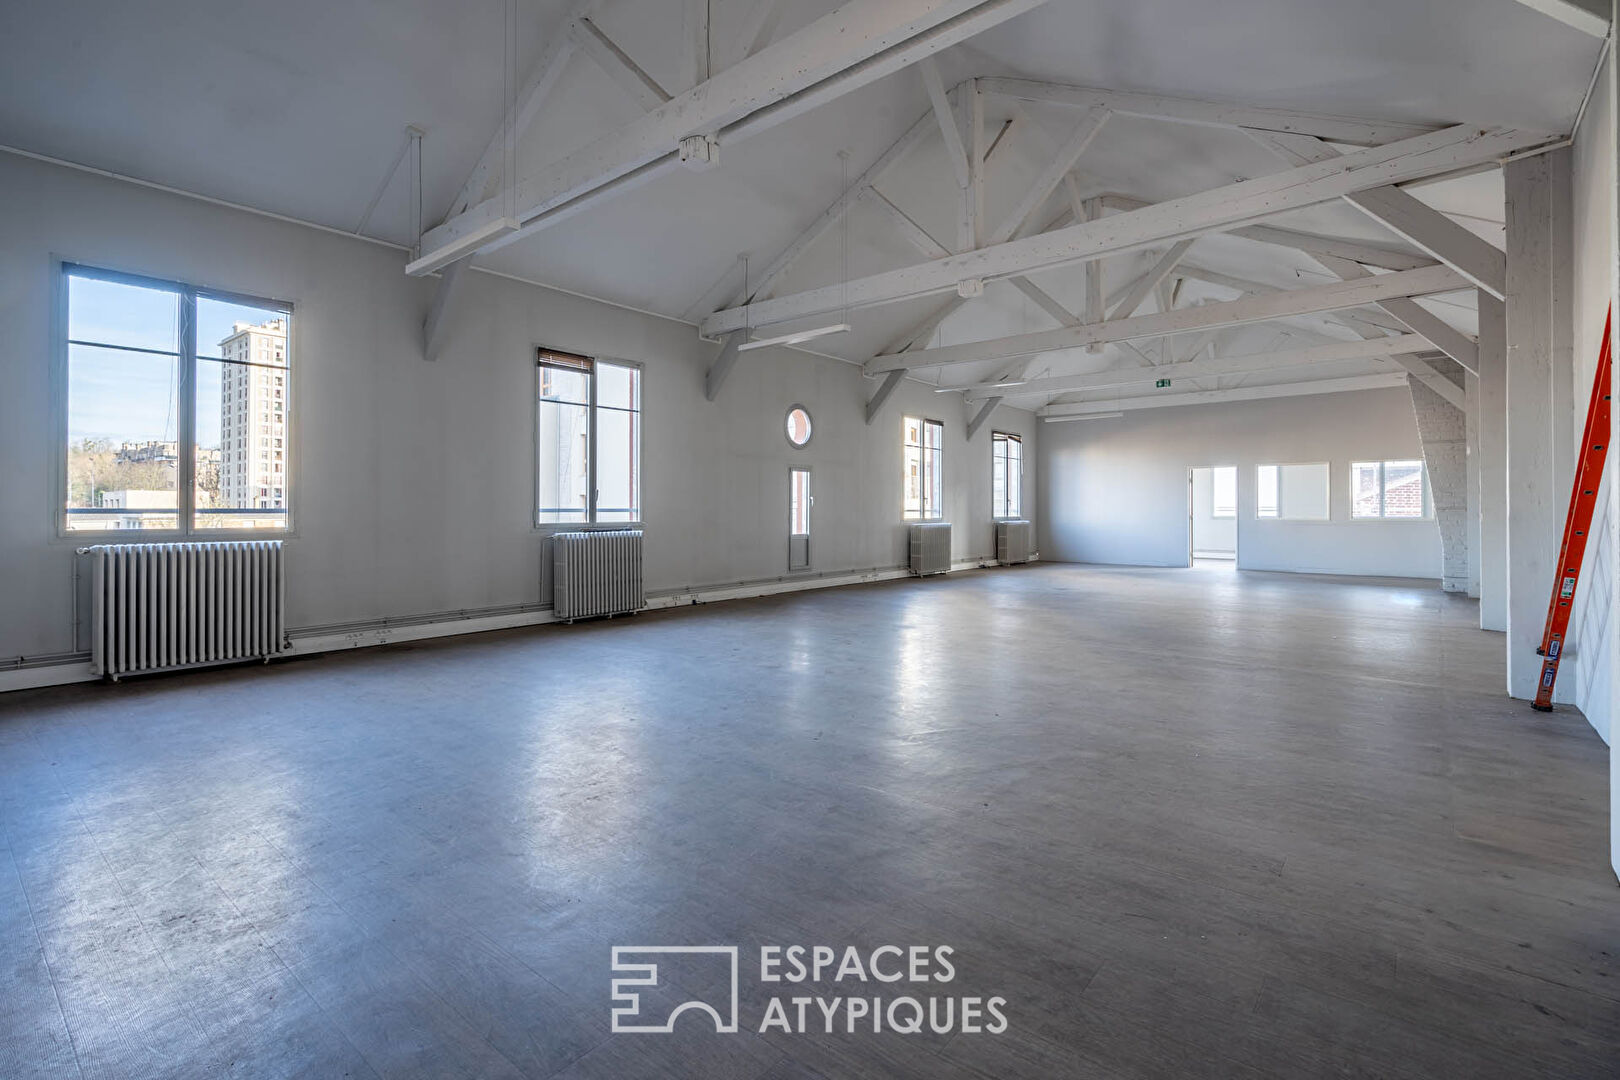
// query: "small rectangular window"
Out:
[923,448]
[1390,489]
[588,440]
[1292,492]
[1006,475]
[158,406]
[1223,492]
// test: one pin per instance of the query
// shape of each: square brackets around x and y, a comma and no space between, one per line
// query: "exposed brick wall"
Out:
[1443,430]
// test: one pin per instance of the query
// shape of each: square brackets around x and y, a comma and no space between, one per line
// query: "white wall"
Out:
[1585,676]
[1115,491]
[413,481]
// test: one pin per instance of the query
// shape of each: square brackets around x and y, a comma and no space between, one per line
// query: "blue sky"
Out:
[128,396]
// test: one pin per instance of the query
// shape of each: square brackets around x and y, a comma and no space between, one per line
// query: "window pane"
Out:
[799,502]
[563,460]
[618,387]
[243,456]
[1403,489]
[911,499]
[134,316]
[934,505]
[1304,491]
[122,441]
[561,384]
[1015,478]
[617,466]
[1364,501]
[1223,491]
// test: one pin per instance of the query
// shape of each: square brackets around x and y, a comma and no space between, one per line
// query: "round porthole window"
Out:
[798,426]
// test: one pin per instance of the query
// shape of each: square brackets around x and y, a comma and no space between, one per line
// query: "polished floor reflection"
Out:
[1187,822]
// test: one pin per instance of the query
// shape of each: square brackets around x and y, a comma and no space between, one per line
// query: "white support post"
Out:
[914,234]
[835,212]
[973,207]
[437,323]
[1249,309]
[695,27]
[1211,211]
[1133,375]
[1338,129]
[616,63]
[756,29]
[1021,217]
[885,390]
[1588,16]
[1471,435]
[1412,220]
[1493,566]
[715,377]
[981,416]
[945,117]
[1538,191]
[1093,309]
[1149,281]
[542,77]
[852,46]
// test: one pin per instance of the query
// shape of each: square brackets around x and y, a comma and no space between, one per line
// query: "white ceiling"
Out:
[300,108]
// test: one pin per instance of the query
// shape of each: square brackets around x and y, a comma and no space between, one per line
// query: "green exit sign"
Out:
[1161,384]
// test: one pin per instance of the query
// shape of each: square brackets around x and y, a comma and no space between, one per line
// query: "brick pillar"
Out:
[1442,427]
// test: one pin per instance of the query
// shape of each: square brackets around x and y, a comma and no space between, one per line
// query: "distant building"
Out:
[252,417]
[139,499]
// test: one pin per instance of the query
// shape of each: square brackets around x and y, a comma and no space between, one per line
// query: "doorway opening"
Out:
[1212,516]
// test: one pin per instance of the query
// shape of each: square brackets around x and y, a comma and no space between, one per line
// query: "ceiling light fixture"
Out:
[795,338]
[1083,416]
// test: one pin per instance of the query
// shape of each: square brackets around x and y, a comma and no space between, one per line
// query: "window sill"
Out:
[548,527]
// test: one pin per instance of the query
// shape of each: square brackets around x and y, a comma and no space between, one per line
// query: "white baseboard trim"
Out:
[368,637]
[30,678]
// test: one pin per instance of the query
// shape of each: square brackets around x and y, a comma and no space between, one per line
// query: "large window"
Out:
[924,448]
[1389,489]
[1006,475]
[588,440]
[178,406]
[1292,492]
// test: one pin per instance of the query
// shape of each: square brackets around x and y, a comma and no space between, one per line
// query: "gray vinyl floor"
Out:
[1187,823]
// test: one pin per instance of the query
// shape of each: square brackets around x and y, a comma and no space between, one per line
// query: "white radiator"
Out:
[1012,542]
[931,548]
[161,606]
[596,573]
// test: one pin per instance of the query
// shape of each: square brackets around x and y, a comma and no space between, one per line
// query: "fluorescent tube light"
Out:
[1082,416]
[796,338]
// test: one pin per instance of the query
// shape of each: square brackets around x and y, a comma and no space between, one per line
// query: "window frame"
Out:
[1281,514]
[590,524]
[1006,487]
[186,528]
[922,488]
[1427,491]
[809,421]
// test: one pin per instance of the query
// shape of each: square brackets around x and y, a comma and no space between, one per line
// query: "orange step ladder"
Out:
[1582,502]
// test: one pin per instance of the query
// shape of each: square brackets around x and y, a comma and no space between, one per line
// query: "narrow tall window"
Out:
[1389,489]
[1006,475]
[1223,491]
[178,407]
[588,440]
[924,463]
